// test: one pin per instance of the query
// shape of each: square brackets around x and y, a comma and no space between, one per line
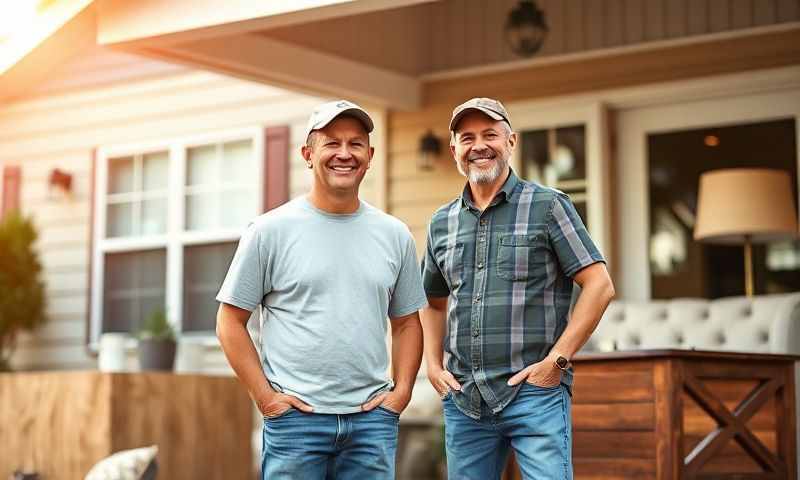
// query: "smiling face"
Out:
[482,148]
[339,156]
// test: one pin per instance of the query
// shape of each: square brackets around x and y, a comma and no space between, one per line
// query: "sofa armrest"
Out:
[785,331]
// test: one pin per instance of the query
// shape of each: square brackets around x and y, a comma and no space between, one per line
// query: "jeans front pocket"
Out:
[387,411]
[280,415]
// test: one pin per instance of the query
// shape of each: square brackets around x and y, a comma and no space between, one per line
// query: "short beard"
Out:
[481,176]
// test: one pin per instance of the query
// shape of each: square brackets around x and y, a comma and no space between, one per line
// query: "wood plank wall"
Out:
[454,34]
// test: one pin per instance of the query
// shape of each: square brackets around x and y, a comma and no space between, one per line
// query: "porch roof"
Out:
[410,54]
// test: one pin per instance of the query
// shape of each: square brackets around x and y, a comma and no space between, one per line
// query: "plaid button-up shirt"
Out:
[507,273]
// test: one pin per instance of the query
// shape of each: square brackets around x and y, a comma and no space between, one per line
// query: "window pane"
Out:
[554,156]
[120,220]
[154,216]
[534,154]
[237,161]
[569,159]
[120,175]
[133,288]
[204,270]
[239,207]
[156,171]
[201,165]
[201,211]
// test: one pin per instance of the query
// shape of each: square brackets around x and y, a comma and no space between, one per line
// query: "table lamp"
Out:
[745,206]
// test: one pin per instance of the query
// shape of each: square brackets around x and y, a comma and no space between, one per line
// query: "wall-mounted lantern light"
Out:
[60,180]
[526,28]
[430,147]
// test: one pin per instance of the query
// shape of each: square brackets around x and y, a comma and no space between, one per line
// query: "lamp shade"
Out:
[740,202]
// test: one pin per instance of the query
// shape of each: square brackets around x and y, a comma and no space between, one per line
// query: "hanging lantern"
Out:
[526,28]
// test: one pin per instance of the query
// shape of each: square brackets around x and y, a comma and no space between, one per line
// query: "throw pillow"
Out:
[136,464]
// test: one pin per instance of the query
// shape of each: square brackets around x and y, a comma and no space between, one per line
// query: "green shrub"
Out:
[157,327]
[22,300]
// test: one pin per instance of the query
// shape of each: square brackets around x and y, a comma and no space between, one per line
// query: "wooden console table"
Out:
[684,414]
[61,423]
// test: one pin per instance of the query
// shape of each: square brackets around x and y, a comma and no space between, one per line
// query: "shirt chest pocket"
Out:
[520,257]
[452,264]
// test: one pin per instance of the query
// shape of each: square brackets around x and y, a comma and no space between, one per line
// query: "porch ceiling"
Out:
[230,40]
[409,54]
[399,53]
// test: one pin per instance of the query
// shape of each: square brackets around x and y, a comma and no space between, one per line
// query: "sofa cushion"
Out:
[767,323]
[136,464]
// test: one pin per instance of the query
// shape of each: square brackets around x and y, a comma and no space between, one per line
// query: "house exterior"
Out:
[123,115]
[163,110]
[116,86]
[179,119]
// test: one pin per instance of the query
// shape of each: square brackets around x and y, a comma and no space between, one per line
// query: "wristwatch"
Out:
[562,363]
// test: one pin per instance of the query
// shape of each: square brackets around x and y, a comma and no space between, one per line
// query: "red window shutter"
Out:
[12,177]
[276,167]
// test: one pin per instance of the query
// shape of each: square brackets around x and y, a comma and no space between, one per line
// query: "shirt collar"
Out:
[504,193]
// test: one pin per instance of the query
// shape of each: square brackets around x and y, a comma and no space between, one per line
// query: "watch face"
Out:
[562,362]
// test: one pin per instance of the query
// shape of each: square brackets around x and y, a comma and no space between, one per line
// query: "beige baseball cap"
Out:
[489,106]
[325,113]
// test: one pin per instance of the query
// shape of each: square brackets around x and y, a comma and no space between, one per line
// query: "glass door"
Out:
[662,151]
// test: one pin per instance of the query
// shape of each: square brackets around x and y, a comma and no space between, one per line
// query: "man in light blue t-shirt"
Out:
[326,270]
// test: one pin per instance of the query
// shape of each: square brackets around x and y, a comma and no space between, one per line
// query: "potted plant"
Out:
[157,343]
[22,300]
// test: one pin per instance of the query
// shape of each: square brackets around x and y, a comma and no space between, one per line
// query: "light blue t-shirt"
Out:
[326,284]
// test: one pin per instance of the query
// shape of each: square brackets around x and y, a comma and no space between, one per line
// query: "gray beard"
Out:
[481,176]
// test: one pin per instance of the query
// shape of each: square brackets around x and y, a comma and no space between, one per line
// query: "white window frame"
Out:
[593,116]
[175,238]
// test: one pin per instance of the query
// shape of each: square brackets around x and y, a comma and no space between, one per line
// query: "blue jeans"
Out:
[537,424]
[312,446]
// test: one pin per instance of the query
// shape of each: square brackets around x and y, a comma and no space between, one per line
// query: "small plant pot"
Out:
[156,354]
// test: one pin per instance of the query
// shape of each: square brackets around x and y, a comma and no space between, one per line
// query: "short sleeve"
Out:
[569,238]
[247,281]
[408,295]
[432,278]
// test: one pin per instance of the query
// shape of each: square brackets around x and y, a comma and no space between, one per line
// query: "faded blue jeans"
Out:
[537,424]
[311,446]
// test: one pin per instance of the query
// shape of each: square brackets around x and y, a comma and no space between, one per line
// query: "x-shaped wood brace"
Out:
[732,425]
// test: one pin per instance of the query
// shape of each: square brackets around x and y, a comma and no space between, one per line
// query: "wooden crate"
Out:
[682,414]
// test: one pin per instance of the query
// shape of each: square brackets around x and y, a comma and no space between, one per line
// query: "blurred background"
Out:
[137,139]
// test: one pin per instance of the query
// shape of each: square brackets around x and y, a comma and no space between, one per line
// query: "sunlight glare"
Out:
[16,16]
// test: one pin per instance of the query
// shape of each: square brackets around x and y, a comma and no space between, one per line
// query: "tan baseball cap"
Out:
[325,113]
[489,106]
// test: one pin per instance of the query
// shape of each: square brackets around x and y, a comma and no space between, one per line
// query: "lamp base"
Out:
[748,267]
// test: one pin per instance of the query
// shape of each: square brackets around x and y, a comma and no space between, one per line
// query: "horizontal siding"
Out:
[413,194]
[454,34]
[104,99]
[100,67]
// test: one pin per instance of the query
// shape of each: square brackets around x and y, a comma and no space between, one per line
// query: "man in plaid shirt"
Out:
[498,272]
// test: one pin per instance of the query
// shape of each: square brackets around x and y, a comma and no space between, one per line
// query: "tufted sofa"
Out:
[763,324]
[768,323]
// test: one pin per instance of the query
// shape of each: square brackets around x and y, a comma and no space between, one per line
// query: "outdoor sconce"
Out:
[429,149]
[60,180]
[526,28]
